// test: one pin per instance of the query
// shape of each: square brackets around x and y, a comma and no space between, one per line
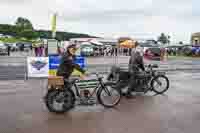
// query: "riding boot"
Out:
[128,94]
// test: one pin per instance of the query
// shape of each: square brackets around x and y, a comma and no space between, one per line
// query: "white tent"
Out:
[96,42]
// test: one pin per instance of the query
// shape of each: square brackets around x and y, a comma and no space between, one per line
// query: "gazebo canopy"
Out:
[127,44]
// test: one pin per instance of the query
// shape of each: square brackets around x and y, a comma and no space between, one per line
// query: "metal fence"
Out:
[13,68]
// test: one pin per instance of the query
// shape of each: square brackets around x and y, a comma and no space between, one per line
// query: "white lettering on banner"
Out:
[53,64]
[38,66]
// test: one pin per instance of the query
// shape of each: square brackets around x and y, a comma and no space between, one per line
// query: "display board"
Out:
[38,66]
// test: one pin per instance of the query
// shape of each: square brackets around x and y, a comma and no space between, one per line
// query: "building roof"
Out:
[94,39]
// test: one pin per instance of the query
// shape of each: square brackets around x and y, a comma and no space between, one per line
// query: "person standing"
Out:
[9,50]
[40,50]
[35,50]
[31,49]
[112,51]
[135,64]
[115,51]
[46,49]
[130,51]
[22,47]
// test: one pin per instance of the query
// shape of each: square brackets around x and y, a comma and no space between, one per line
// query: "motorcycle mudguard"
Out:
[110,83]
[160,73]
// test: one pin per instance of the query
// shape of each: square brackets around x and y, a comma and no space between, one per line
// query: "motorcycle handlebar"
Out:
[152,66]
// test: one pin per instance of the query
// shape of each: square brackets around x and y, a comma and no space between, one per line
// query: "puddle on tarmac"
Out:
[92,108]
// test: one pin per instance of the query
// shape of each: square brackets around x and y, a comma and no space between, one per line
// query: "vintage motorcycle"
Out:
[64,95]
[149,80]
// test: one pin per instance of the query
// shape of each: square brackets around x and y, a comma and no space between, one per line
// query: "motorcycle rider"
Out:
[67,65]
[135,64]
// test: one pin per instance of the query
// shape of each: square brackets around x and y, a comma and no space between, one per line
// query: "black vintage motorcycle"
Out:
[149,80]
[64,95]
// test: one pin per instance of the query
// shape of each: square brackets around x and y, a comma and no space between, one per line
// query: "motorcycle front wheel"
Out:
[109,96]
[160,84]
[59,101]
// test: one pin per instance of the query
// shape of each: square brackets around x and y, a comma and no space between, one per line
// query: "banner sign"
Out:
[54,61]
[80,61]
[38,66]
[45,66]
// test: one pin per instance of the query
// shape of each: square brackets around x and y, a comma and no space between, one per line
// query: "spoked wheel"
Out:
[60,101]
[109,96]
[160,84]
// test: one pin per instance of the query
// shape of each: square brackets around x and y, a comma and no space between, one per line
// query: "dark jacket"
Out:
[136,62]
[67,66]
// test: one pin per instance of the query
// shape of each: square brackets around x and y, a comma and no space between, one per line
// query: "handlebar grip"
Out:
[97,74]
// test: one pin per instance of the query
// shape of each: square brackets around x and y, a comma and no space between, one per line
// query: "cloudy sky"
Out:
[110,18]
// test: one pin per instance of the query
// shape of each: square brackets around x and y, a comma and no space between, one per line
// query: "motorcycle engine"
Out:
[85,93]
[142,84]
[86,99]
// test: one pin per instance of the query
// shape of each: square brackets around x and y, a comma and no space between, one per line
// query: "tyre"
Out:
[109,96]
[160,84]
[59,101]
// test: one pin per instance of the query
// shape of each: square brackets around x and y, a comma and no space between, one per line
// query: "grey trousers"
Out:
[132,81]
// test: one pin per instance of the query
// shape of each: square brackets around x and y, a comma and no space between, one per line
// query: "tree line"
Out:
[23,28]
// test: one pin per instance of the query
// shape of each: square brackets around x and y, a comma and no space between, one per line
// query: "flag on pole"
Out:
[53,25]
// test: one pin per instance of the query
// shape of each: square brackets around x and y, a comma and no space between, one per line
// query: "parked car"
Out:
[8,44]
[3,49]
[187,50]
[14,47]
[27,46]
[19,46]
[87,51]
[145,46]
[153,53]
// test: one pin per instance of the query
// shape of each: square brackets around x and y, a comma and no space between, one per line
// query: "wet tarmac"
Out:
[178,111]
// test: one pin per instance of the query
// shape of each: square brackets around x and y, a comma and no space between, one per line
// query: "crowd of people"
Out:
[187,51]
[112,51]
[40,50]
